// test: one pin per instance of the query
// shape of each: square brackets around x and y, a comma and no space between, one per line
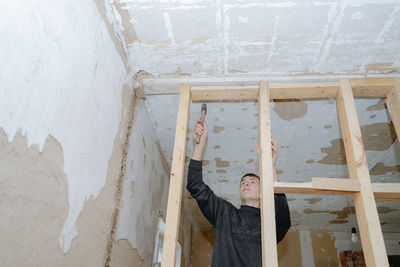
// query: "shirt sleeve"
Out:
[209,204]
[282,216]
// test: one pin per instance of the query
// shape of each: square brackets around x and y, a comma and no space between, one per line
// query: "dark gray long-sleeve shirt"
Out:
[237,232]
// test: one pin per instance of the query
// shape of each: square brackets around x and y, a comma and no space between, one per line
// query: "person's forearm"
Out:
[197,153]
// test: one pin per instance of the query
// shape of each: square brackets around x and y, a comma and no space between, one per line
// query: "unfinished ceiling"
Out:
[197,37]
[237,42]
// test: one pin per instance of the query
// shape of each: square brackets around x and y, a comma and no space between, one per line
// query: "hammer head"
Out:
[204,108]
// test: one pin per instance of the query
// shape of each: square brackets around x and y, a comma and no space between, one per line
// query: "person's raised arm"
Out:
[208,202]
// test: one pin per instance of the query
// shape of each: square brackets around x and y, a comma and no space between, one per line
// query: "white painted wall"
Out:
[61,75]
[145,189]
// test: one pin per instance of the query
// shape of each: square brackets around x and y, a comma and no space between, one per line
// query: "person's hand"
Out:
[201,130]
[274,148]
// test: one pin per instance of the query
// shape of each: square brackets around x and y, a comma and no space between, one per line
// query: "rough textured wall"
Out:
[144,196]
[64,110]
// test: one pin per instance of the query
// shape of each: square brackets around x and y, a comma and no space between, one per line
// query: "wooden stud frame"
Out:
[176,180]
[359,185]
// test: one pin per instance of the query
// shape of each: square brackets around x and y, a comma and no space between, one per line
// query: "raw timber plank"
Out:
[176,179]
[268,230]
[364,87]
[365,205]
[339,184]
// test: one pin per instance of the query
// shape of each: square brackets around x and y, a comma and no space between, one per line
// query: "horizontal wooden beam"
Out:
[224,93]
[339,184]
[386,191]
[376,87]
[382,191]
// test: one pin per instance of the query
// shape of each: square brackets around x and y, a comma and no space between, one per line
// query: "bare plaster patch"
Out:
[34,201]
[335,153]
[221,171]
[217,147]
[328,126]
[117,42]
[279,171]
[218,129]
[125,255]
[310,161]
[344,213]
[380,169]
[249,161]
[378,106]
[313,200]
[290,109]
[221,163]
[378,136]
[128,29]
[309,211]
[324,250]
[289,250]
[202,246]
[205,162]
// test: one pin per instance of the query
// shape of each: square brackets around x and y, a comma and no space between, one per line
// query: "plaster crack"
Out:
[273,41]
[168,26]
[387,25]
[336,18]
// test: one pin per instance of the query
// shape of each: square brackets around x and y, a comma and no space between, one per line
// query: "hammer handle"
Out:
[203,114]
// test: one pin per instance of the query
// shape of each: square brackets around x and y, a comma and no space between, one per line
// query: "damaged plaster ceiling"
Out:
[242,42]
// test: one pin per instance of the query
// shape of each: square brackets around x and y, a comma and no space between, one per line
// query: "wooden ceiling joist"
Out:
[378,87]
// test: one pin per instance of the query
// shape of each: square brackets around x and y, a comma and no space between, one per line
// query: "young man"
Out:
[237,232]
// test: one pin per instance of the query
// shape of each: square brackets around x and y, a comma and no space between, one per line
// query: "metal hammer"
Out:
[203,114]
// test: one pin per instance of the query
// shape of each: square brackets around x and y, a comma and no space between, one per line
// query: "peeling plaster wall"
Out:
[62,76]
[144,196]
[145,189]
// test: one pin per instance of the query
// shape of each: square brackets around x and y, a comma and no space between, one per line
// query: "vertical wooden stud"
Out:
[176,179]
[393,104]
[267,208]
[367,214]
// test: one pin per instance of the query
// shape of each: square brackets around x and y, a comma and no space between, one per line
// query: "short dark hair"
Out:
[250,174]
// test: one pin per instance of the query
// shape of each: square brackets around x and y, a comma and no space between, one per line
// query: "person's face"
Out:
[250,188]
